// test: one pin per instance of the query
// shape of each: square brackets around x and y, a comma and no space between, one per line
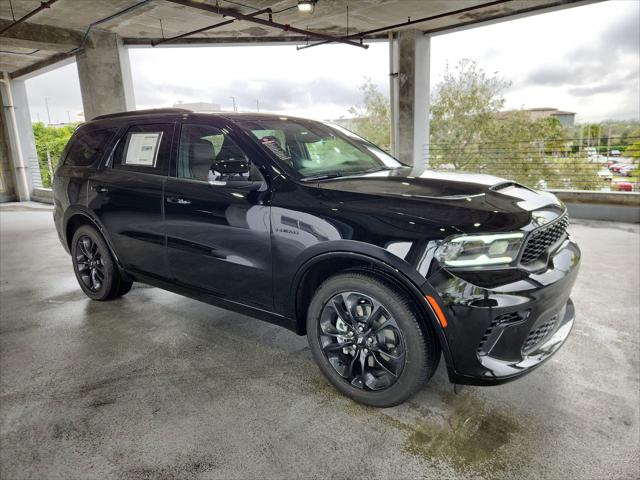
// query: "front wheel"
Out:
[368,342]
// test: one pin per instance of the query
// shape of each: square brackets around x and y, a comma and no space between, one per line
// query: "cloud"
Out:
[273,94]
[597,89]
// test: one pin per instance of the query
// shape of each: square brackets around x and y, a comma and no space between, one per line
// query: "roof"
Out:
[184,112]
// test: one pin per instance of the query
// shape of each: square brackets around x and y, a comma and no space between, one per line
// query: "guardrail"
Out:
[568,164]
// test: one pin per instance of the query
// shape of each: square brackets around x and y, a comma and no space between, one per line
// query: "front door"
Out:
[126,196]
[217,219]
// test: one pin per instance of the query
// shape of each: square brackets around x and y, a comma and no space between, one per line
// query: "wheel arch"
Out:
[325,265]
[77,217]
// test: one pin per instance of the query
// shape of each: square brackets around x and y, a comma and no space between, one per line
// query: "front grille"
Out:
[538,334]
[540,240]
[505,318]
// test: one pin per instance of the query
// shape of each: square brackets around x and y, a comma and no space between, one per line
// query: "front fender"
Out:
[393,268]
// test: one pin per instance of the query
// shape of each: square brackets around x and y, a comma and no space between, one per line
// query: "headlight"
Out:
[480,250]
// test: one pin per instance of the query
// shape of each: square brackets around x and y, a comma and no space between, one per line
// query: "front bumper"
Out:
[502,325]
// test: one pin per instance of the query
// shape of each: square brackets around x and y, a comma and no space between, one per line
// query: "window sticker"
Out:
[142,149]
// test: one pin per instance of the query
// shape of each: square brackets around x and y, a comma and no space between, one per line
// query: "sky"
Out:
[584,59]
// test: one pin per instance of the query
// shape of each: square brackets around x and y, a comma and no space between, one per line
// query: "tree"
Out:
[464,110]
[372,118]
[469,131]
[51,140]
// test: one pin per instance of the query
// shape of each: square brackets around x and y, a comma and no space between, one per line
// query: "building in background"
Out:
[566,119]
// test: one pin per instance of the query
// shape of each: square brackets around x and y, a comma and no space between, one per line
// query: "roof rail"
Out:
[150,111]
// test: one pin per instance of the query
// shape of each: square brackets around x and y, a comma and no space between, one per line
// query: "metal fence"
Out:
[567,164]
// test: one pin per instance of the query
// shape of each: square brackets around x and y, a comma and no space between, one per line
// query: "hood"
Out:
[465,202]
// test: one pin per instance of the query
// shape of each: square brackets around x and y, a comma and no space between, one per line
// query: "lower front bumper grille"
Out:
[538,334]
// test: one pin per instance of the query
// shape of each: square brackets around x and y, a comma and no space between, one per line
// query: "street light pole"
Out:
[234,103]
[46,102]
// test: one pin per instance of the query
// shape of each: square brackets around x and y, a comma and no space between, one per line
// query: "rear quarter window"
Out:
[88,146]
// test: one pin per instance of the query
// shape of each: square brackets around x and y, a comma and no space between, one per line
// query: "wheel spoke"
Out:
[381,365]
[389,322]
[352,364]
[335,347]
[343,311]
[350,319]
[375,316]
[85,245]
[390,355]
[363,363]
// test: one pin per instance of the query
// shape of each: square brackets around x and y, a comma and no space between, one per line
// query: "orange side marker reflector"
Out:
[436,308]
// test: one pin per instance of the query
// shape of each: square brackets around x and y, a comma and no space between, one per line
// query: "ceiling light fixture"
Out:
[306,6]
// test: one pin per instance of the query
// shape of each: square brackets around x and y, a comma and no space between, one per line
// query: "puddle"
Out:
[470,437]
[457,429]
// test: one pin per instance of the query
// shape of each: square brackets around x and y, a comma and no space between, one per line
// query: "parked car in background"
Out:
[308,226]
[605,174]
[626,170]
[616,168]
[615,153]
[622,186]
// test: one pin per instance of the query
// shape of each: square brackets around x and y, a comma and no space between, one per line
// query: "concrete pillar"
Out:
[18,131]
[105,76]
[7,182]
[410,99]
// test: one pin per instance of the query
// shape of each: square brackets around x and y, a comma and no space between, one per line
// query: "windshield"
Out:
[315,149]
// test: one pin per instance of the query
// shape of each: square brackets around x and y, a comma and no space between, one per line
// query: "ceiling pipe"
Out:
[407,23]
[210,27]
[42,6]
[227,12]
[103,20]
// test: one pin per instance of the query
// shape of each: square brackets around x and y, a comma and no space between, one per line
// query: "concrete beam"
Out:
[411,98]
[43,66]
[105,76]
[44,37]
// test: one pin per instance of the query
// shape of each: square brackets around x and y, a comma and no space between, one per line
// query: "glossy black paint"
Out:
[254,249]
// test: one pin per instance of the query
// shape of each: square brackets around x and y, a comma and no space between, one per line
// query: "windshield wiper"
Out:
[324,176]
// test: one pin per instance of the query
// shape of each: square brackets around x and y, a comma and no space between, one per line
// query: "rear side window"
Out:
[145,149]
[88,147]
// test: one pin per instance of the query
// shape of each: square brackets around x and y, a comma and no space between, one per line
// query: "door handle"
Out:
[178,200]
[99,189]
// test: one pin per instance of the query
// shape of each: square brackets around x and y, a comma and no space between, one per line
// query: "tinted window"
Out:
[208,154]
[145,149]
[87,147]
[314,148]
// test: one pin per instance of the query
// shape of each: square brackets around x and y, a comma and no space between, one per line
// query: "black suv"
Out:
[306,225]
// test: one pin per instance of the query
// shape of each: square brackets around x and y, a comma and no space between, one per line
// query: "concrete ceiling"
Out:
[51,34]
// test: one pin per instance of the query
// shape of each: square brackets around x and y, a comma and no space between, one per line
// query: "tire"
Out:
[94,266]
[402,356]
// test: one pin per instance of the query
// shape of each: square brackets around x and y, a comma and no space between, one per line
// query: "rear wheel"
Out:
[367,340]
[94,266]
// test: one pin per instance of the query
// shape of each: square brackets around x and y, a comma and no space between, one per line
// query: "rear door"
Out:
[127,197]
[217,217]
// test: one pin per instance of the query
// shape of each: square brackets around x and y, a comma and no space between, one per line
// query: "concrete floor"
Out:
[156,386]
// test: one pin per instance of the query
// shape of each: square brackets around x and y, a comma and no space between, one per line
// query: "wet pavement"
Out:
[157,386]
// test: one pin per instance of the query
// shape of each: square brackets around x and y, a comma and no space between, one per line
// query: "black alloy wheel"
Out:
[368,340]
[362,341]
[89,263]
[95,267]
